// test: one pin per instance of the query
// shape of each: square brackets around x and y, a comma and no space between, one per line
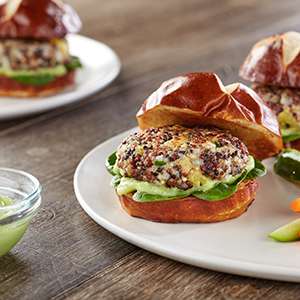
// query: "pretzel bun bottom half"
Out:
[12,88]
[191,209]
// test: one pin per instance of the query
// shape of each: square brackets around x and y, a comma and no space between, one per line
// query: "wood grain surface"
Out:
[65,255]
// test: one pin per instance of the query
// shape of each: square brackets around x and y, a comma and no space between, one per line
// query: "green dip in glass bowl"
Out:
[20,198]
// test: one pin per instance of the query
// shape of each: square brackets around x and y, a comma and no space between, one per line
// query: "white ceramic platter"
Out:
[238,246]
[101,67]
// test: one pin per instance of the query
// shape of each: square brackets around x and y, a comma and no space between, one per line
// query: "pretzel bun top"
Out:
[37,19]
[199,99]
[274,61]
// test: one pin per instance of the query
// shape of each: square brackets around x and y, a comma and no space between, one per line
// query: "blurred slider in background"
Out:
[34,54]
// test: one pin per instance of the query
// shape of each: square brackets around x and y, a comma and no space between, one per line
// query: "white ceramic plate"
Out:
[238,246]
[101,66]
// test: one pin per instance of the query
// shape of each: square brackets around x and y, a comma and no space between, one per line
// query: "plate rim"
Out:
[112,75]
[204,260]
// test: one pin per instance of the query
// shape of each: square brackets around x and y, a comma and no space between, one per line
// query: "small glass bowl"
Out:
[24,190]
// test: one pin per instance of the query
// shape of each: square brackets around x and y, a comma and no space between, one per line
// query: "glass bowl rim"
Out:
[29,198]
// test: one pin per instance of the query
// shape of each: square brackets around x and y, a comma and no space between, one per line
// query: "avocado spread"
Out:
[10,233]
[210,190]
[40,76]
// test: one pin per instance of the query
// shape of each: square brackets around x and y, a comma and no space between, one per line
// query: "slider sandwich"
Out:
[196,155]
[273,67]
[34,54]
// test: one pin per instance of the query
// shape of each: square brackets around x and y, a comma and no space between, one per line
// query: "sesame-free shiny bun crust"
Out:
[200,99]
[274,61]
[37,19]
[191,209]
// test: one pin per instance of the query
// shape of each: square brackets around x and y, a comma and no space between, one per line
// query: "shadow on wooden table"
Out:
[7,266]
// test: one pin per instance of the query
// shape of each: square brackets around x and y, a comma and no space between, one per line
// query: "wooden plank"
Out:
[147,276]
[49,247]
[171,53]
[65,254]
[62,248]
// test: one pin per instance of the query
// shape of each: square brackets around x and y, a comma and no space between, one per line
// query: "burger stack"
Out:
[196,155]
[34,54]
[273,67]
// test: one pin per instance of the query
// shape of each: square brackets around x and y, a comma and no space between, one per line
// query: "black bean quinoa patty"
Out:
[181,157]
[279,99]
[29,54]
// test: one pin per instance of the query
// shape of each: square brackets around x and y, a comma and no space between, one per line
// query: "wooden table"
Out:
[65,254]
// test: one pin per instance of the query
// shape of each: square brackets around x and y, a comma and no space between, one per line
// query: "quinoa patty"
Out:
[181,157]
[280,99]
[29,54]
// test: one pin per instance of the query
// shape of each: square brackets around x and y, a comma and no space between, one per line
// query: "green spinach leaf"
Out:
[259,170]
[110,163]
[74,63]
[144,197]
[219,192]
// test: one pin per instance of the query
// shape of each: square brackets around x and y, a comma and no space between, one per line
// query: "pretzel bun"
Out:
[12,88]
[274,61]
[37,19]
[201,99]
[191,209]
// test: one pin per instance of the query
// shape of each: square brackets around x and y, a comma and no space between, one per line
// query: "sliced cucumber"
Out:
[287,233]
[288,165]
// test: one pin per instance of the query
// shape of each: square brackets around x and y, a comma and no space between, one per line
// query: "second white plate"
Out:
[101,67]
[238,246]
